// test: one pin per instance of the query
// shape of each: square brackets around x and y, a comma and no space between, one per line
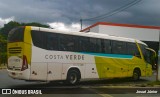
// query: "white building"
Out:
[147,34]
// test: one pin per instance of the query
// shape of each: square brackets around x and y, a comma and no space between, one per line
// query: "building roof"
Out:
[123,25]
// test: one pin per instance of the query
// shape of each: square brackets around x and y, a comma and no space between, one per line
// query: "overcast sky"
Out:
[66,14]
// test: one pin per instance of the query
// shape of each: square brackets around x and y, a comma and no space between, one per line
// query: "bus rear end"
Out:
[18,67]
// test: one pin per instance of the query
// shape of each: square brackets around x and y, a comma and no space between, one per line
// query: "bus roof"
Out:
[89,34]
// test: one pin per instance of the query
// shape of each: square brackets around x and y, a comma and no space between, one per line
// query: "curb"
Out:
[125,86]
[131,86]
[3,68]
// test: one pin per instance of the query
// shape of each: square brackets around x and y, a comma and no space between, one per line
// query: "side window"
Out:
[107,46]
[119,47]
[95,45]
[98,45]
[84,44]
[92,45]
[76,40]
[66,43]
[144,51]
[52,41]
[39,39]
[132,49]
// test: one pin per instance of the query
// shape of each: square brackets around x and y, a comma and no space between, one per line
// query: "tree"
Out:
[12,24]
[7,27]
[4,33]
[34,24]
[3,50]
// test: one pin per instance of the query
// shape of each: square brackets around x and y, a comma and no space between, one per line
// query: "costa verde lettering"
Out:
[67,57]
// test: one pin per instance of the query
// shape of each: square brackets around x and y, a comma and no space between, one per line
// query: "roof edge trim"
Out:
[123,25]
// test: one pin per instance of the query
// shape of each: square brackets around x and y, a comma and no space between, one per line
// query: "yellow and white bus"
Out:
[43,54]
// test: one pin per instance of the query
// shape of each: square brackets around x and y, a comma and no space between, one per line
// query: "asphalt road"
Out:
[96,88]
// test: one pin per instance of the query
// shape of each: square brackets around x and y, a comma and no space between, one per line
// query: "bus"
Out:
[43,54]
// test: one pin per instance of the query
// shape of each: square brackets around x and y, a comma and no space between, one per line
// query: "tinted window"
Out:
[95,45]
[66,42]
[84,44]
[132,49]
[144,52]
[76,40]
[119,47]
[16,35]
[39,38]
[106,46]
[52,41]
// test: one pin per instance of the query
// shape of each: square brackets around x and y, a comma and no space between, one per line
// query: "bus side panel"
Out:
[119,67]
[91,71]
[38,64]
[136,63]
[112,67]
[87,67]
[38,71]
[66,67]
[54,71]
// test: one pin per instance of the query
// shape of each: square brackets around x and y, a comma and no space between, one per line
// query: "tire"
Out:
[73,77]
[136,75]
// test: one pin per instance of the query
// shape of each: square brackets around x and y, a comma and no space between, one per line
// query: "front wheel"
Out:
[73,77]
[136,75]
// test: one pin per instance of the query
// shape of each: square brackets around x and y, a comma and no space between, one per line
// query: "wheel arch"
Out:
[138,69]
[76,69]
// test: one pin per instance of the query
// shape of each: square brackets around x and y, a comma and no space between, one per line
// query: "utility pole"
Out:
[158,65]
[81,23]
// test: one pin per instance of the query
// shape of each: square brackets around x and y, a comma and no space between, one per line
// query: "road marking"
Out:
[105,95]
[100,93]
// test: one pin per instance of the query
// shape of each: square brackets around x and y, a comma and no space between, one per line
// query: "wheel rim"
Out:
[135,76]
[73,78]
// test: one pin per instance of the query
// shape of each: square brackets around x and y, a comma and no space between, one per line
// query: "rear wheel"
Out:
[73,77]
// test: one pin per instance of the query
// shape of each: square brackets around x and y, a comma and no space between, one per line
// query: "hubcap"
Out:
[73,78]
[135,76]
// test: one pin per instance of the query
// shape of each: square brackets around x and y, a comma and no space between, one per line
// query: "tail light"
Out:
[25,63]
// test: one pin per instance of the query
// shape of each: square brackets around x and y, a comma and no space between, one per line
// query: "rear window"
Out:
[16,35]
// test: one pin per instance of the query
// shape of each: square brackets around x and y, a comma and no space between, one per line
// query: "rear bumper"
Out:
[23,75]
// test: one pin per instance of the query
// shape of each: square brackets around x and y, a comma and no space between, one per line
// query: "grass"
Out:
[154,83]
[2,66]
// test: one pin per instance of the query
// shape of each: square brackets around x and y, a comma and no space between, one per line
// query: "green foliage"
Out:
[12,24]
[4,33]
[7,27]
[153,83]
[3,49]
[34,24]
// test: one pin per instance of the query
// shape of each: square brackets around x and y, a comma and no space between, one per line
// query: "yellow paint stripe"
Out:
[140,51]
[27,43]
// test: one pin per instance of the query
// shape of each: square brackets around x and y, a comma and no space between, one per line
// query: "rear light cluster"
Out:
[25,63]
